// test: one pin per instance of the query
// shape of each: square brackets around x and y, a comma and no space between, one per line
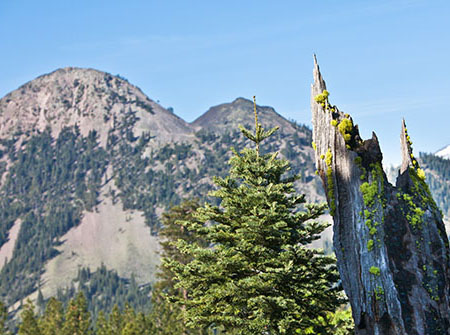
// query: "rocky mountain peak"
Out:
[88,98]
[228,116]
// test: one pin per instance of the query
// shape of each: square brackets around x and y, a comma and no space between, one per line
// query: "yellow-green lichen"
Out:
[328,157]
[358,162]
[421,174]
[370,245]
[375,270]
[330,191]
[322,97]
[414,213]
[334,123]
[314,145]
[378,292]
[330,182]
[345,127]
[371,191]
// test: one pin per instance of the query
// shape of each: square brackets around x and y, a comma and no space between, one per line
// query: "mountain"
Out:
[444,152]
[437,170]
[218,119]
[87,165]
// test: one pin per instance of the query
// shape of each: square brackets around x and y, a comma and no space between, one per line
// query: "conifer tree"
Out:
[136,324]
[51,323]
[77,319]
[115,321]
[29,325]
[166,314]
[257,276]
[102,327]
[3,319]
[40,302]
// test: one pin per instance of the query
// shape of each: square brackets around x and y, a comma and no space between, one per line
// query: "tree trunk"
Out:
[390,241]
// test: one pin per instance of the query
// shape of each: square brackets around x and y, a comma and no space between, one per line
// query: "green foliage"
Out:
[337,323]
[52,321]
[51,181]
[77,318]
[166,314]
[104,289]
[49,184]
[3,319]
[29,324]
[256,275]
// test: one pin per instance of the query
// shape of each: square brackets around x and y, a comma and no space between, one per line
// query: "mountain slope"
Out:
[219,119]
[88,98]
[444,152]
[87,165]
[437,170]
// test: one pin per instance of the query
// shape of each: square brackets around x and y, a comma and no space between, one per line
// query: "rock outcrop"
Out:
[390,241]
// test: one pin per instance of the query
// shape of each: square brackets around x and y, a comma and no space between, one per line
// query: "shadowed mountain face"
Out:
[87,165]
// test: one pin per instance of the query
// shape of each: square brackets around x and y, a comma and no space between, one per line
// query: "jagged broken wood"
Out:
[390,241]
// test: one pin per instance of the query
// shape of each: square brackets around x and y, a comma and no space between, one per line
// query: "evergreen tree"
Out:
[77,317]
[40,302]
[166,314]
[115,321]
[3,319]
[257,276]
[135,324]
[102,326]
[29,325]
[51,323]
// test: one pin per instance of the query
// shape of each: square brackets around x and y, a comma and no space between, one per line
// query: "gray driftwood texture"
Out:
[390,241]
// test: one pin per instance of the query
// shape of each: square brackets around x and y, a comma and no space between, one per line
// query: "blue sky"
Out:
[382,60]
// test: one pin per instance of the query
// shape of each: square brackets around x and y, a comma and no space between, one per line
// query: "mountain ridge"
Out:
[88,98]
[88,172]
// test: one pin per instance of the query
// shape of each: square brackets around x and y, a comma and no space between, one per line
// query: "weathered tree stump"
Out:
[390,241]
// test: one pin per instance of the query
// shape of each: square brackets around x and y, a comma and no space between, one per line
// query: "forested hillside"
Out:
[88,164]
[437,170]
